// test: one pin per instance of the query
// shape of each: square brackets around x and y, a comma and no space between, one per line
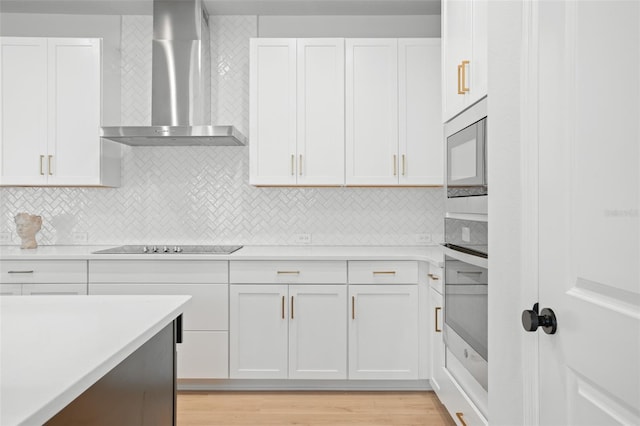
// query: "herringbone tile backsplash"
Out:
[201,195]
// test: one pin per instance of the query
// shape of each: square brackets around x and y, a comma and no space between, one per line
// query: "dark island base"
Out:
[139,391]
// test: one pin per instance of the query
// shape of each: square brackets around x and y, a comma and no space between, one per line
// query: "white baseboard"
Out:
[303,385]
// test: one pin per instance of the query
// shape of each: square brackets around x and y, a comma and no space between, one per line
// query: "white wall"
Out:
[349,26]
[106,27]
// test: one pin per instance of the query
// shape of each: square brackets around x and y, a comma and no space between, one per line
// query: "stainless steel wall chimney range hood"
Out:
[181,76]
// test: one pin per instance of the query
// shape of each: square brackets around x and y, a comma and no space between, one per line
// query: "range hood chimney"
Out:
[180,98]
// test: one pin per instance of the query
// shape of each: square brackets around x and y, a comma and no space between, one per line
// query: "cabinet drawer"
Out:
[383,272]
[284,272]
[158,271]
[43,271]
[436,278]
[203,355]
[49,289]
[208,308]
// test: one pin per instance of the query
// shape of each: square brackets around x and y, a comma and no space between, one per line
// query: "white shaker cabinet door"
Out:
[23,112]
[317,332]
[320,111]
[420,102]
[74,102]
[435,339]
[371,111]
[457,32]
[258,331]
[383,332]
[272,131]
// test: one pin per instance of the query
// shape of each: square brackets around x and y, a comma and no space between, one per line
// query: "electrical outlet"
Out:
[466,234]
[5,237]
[80,237]
[303,238]
[423,238]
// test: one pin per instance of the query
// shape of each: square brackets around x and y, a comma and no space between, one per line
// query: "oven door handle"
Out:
[478,261]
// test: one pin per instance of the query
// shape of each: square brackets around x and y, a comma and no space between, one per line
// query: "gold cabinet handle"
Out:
[288,272]
[433,277]
[282,307]
[49,164]
[464,76]
[353,307]
[460,92]
[395,165]
[293,164]
[460,417]
[403,165]
[300,166]
[291,307]
[384,272]
[437,326]
[41,166]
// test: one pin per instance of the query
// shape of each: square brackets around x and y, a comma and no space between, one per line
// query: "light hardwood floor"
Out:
[311,408]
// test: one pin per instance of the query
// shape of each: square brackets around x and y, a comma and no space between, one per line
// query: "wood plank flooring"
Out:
[311,408]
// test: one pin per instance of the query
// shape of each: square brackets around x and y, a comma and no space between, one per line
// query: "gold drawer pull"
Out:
[49,164]
[293,162]
[460,417]
[384,272]
[282,307]
[41,166]
[403,165]
[395,165]
[288,272]
[433,277]
[20,272]
[460,92]
[300,166]
[437,326]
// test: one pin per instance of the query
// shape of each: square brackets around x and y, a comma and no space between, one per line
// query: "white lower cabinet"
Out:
[280,331]
[383,332]
[435,339]
[258,330]
[203,353]
[43,277]
[53,289]
[317,332]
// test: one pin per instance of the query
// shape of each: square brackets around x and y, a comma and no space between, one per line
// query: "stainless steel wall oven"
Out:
[466,275]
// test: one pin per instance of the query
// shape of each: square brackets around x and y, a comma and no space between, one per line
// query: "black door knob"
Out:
[531,320]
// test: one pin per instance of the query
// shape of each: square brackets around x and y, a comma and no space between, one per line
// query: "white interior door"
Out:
[589,197]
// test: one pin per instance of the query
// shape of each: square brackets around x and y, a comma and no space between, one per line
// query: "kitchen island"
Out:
[81,360]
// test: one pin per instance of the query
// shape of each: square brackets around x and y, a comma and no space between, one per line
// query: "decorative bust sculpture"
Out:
[27,226]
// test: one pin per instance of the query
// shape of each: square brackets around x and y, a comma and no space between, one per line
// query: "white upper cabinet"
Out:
[51,113]
[297,111]
[372,111]
[420,98]
[320,109]
[464,54]
[272,79]
[379,125]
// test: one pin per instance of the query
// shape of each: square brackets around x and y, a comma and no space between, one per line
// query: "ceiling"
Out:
[230,7]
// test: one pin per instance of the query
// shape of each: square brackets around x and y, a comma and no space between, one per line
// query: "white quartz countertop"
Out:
[53,348]
[432,254]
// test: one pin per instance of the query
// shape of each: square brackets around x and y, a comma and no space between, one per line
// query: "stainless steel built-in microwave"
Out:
[466,162]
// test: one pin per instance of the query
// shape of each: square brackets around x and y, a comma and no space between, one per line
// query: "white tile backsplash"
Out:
[201,195]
